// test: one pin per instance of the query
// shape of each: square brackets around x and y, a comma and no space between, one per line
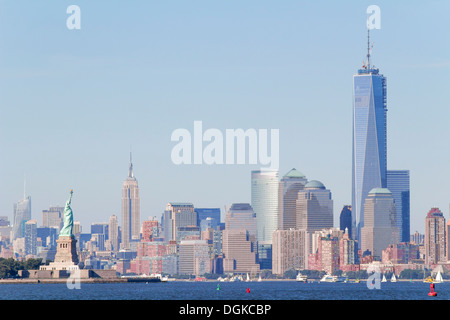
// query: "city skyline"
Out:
[107,114]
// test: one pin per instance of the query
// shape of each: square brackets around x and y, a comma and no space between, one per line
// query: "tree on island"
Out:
[9,267]
[414,274]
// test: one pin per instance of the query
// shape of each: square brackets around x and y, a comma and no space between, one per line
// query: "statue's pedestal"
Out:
[66,257]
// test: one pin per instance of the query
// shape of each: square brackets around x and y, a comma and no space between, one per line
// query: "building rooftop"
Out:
[380,191]
[294,173]
[315,184]
[434,212]
[181,204]
[241,206]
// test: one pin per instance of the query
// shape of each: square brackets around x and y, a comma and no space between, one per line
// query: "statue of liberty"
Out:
[68,218]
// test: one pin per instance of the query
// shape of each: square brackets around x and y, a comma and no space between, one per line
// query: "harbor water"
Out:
[214,290]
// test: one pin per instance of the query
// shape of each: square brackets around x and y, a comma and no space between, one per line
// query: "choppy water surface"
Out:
[266,290]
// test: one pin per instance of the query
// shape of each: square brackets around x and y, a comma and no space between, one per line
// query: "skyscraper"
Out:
[113,232]
[348,251]
[326,250]
[345,219]
[291,183]
[314,207]
[204,213]
[398,184]
[239,252]
[369,160]
[288,250]
[31,237]
[194,257]
[314,211]
[178,215]
[434,237]
[380,229]
[150,230]
[100,228]
[241,216]
[131,213]
[265,202]
[22,213]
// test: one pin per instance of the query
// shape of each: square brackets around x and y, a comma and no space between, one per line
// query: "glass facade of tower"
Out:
[398,184]
[369,165]
[204,213]
[22,213]
[265,202]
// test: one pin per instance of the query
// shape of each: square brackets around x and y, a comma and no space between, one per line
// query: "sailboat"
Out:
[384,278]
[393,278]
[248,278]
[259,279]
[439,278]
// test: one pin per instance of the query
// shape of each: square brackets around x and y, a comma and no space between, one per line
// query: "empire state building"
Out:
[131,213]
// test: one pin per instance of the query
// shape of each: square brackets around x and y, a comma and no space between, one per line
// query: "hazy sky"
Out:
[73,102]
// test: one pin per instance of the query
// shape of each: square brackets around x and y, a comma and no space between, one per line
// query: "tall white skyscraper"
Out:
[131,213]
[22,213]
[265,202]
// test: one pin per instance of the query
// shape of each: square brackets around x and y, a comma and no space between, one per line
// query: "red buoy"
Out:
[248,290]
[432,293]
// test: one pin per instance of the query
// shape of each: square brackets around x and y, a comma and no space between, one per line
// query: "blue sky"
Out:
[73,102]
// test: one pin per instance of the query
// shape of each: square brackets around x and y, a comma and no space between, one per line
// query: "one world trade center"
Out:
[369,163]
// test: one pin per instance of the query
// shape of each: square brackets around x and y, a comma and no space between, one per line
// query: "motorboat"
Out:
[330,278]
[301,278]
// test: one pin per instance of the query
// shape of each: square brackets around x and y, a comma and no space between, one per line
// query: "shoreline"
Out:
[134,280]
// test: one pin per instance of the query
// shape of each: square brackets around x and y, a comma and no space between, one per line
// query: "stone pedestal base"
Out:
[66,257]
[66,250]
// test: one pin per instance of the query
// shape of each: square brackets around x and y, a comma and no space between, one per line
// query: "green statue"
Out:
[68,218]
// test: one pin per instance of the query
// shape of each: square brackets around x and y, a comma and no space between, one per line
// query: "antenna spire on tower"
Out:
[130,168]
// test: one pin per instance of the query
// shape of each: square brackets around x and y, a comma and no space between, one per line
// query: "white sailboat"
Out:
[384,279]
[248,278]
[259,279]
[439,278]
[393,278]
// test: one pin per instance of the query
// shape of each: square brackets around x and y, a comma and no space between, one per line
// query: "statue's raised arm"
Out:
[68,218]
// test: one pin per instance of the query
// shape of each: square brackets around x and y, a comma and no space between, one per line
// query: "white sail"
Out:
[384,279]
[393,279]
[439,278]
